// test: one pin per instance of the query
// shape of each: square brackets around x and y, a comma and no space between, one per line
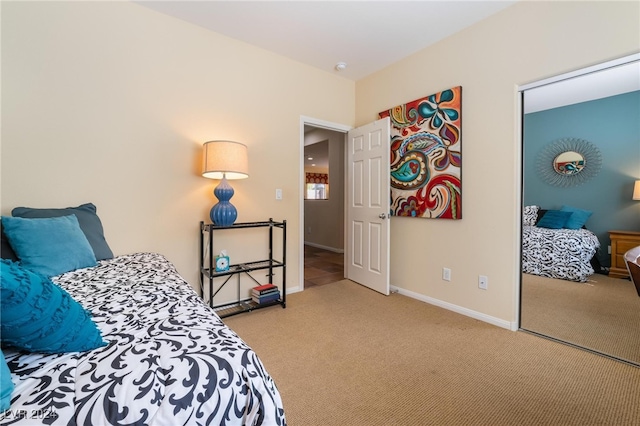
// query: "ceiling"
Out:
[316,157]
[366,35]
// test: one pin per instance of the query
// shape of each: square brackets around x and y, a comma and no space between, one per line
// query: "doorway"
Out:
[322,230]
[364,225]
[324,170]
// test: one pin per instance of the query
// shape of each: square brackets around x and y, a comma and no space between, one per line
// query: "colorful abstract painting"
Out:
[426,156]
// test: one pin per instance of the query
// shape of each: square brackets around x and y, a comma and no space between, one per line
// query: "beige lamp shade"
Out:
[636,191]
[225,159]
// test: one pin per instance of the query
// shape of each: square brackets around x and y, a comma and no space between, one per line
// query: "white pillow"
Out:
[530,215]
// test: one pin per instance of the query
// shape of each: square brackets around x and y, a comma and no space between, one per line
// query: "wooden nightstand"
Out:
[621,242]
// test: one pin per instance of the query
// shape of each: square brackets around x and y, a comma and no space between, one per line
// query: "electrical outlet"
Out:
[483,282]
[446,274]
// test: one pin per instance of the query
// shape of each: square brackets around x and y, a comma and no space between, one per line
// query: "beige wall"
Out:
[109,102]
[324,219]
[526,42]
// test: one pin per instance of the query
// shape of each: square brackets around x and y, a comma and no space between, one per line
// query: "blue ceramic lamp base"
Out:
[223,213]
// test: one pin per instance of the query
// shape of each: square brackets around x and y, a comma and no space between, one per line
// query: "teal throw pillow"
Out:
[554,219]
[6,385]
[37,315]
[49,246]
[87,218]
[578,217]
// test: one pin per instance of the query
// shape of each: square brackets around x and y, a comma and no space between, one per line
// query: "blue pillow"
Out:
[39,316]
[49,246]
[554,219]
[87,218]
[6,385]
[578,217]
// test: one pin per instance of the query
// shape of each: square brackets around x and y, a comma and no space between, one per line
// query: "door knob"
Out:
[382,215]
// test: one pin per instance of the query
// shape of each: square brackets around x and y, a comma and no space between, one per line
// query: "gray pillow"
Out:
[6,251]
[87,218]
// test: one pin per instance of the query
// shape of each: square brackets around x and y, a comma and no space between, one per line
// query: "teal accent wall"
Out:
[613,125]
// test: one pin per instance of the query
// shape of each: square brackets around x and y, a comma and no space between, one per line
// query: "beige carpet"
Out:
[602,314]
[344,355]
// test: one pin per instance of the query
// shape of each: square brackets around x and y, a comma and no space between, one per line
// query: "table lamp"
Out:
[224,160]
[636,191]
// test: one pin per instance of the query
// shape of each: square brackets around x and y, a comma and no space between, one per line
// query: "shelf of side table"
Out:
[208,272]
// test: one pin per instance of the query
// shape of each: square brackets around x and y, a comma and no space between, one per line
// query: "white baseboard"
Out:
[455,308]
[293,290]
[320,246]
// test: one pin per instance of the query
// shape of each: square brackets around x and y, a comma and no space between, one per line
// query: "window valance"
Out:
[318,178]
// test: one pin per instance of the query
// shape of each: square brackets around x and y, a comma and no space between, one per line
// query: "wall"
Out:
[611,124]
[110,102]
[526,42]
[324,219]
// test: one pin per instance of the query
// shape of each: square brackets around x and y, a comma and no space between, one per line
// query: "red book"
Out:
[263,288]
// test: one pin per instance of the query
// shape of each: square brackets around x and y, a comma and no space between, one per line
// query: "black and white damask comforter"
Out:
[558,253]
[170,359]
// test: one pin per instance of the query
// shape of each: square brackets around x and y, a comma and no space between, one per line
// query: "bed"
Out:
[165,357]
[557,251]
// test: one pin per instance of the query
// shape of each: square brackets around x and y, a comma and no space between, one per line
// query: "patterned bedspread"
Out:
[558,253]
[170,359]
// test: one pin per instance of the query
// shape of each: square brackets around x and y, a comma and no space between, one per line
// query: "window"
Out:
[317,191]
[317,185]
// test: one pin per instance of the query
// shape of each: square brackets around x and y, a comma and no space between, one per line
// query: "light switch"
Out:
[278,194]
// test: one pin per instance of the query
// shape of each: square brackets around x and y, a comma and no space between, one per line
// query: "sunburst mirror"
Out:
[569,162]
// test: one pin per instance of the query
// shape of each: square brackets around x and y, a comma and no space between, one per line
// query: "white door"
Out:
[368,189]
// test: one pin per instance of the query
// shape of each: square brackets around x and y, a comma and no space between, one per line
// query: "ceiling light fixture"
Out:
[341,66]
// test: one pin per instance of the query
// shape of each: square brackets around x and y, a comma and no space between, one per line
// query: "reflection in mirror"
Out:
[568,163]
[566,291]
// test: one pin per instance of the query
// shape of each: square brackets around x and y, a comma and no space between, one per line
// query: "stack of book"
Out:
[265,293]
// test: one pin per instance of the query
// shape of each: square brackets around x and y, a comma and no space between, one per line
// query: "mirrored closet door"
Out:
[581,158]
